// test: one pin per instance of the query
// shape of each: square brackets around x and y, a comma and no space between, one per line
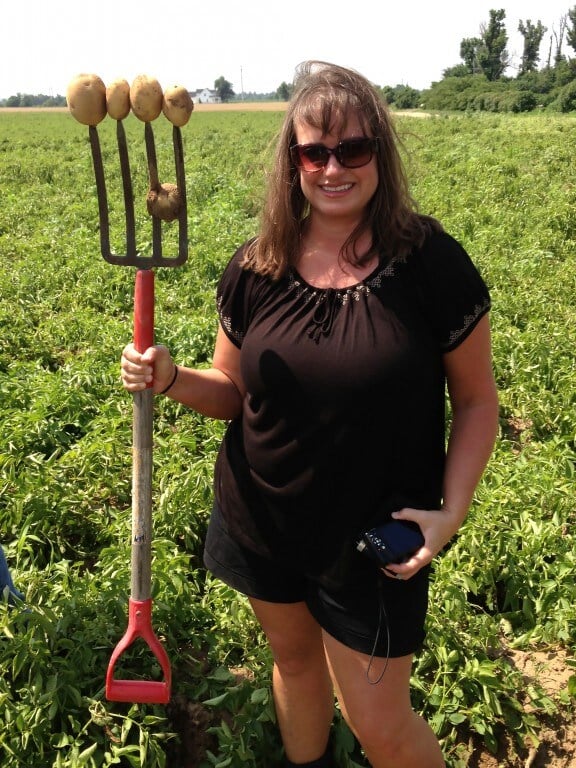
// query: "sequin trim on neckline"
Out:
[329,301]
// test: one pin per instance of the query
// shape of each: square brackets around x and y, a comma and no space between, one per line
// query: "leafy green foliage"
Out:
[506,187]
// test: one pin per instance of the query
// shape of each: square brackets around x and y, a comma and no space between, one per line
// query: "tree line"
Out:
[477,83]
[33,100]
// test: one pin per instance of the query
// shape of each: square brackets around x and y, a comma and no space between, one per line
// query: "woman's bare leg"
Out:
[303,692]
[381,715]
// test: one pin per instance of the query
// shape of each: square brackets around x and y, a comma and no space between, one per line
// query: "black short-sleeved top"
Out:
[344,416]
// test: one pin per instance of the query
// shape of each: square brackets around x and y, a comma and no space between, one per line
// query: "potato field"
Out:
[497,675]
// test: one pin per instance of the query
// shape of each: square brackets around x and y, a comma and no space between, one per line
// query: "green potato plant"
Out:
[506,187]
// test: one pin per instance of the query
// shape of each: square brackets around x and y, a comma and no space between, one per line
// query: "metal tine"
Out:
[181,183]
[154,183]
[128,192]
[131,258]
[100,192]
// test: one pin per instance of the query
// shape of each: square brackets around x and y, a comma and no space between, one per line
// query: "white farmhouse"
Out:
[205,96]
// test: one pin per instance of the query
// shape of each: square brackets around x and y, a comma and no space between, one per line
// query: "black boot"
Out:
[326,761]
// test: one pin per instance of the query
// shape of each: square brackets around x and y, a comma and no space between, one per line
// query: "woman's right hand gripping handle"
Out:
[154,366]
[216,392]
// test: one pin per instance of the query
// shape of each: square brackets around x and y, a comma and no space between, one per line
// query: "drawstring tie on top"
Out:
[324,314]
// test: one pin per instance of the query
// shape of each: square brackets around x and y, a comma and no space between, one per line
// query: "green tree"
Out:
[571,28]
[532,34]
[223,88]
[567,97]
[402,96]
[492,54]
[284,91]
[564,72]
[406,97]
[469,48]
[558,36]
[458,70]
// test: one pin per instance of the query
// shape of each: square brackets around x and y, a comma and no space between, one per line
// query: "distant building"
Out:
[205,96]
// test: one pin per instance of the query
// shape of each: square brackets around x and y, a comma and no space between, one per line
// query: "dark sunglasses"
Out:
[350,153]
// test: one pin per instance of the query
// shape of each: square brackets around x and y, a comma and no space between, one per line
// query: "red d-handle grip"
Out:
[144,310]
[139,691]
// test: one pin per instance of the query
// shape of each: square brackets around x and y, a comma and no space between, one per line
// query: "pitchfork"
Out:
[140,602]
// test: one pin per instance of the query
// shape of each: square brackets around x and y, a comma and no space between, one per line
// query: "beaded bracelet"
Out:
[172,382]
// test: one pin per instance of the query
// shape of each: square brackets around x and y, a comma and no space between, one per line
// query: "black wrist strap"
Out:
[172,382]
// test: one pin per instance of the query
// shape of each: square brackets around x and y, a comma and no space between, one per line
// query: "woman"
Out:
[340,325]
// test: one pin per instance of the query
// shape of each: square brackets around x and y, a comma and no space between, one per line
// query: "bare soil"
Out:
[557,737]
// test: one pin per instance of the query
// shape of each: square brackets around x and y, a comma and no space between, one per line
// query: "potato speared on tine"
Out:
[89,102]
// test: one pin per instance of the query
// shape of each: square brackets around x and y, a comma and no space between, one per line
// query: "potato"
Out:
[146,98]
[164,202]
[177,105]
[118,99]
[86,99]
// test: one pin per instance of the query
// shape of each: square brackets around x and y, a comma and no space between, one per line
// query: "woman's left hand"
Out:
[438,526]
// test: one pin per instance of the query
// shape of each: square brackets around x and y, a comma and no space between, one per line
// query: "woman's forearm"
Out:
[472,436]
[209,391]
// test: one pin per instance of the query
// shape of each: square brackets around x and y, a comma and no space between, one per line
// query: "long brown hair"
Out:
[325,95]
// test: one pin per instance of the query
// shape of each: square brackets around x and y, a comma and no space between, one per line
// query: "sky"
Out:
[254,44]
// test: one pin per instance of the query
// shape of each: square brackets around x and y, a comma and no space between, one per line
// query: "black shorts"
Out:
[375,614]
